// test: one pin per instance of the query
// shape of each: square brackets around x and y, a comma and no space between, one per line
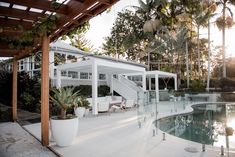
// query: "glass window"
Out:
[102,77]
[83,75]
[63,73]
[22,65]
[73,74]
[90,75]
[55,72]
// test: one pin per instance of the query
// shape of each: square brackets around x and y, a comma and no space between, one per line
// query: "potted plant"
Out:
[178,95]
[64,127]
[80,106]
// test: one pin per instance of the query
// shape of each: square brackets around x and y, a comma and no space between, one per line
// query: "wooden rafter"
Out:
[8,53]
[20,14]
[39,4]
[15,23]
[69,15]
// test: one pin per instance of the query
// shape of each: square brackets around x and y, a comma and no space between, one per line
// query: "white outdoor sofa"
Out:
[104,103]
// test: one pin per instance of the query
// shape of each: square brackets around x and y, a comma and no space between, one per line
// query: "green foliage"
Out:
[28,91]
[76,31]
[46,25]
[29,102]
[6,87]
[197,86]
[65,98]
[227,85]
[86,90]
[103,90]
[178,93]
[82,102]
[79,41]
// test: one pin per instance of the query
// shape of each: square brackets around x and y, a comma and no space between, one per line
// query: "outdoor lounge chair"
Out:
[118,107]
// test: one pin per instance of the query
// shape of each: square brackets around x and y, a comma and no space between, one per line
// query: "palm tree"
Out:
[152,15]
[225,20]
[201,21]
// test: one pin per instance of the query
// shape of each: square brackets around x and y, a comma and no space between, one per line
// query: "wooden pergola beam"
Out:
[40,4]
[75,8]
[8,53]
[20,14]
[81,20]
[107,2]
[16,23]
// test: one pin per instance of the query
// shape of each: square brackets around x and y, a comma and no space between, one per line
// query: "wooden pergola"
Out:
[18,16]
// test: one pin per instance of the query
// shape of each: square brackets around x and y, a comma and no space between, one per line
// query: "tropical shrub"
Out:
[28,102]
[82,102]
[64,98]
[227,97]
[197,86]
[28,90]
[227,85]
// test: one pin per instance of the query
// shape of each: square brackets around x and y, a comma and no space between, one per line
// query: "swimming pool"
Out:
[206,124]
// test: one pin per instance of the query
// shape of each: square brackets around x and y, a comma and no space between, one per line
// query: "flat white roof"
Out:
[103,66]
[63,47]
[153,73]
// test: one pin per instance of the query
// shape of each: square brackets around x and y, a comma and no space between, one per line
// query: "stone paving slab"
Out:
[118,135]
[16,142]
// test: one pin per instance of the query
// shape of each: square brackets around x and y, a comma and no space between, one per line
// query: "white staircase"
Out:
[126,88]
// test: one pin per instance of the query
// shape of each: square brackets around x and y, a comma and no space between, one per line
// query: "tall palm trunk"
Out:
[209,57]
[187,63]
[223,41]
[198,52]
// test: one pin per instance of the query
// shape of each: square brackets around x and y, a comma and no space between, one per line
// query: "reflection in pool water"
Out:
[205,125]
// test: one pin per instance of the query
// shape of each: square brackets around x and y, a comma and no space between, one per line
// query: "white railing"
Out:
[124,90]
[130,83]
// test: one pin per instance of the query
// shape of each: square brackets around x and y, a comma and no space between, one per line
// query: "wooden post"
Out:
[45,91]
[14,89]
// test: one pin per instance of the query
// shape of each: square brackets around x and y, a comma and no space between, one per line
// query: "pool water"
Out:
[205,125]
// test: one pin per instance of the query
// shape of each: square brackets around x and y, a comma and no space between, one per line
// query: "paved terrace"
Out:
[16,142]
[119,135]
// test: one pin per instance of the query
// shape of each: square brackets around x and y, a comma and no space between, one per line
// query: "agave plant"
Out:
[64,98]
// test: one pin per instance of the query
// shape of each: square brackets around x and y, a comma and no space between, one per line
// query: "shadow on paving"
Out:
[24,117]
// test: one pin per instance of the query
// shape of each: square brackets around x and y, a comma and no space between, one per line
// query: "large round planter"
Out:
[64,131]
[80,111]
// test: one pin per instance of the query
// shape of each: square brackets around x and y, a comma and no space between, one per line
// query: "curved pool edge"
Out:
[189,109]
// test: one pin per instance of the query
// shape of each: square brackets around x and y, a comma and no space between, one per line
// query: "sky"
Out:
[100,27]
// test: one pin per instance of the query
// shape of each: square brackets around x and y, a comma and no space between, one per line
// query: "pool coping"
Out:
[188,109]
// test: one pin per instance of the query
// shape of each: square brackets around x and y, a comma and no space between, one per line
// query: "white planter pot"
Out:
[64,131]
[80,111]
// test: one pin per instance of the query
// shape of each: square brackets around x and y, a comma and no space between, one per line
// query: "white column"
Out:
[144,81]
[150,83]
[175,82]
[94,88]
[157,87]
[27,65]
[111,83]
[58,78]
